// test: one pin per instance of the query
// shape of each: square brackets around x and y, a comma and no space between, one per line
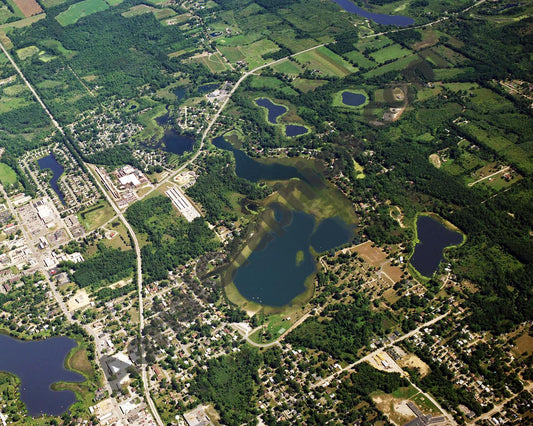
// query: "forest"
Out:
[172,241]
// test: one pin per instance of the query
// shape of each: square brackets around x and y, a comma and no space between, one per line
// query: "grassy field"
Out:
[214,62]
[359,59]
[305,85]
[95,216]
[325,62]
[399,64]
[27,52]
[394,51]
[288,67]
[51,3]
[7,175]
[78,10]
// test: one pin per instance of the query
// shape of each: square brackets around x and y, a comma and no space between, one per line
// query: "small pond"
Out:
[253,170]
[176,143]
[207,88]
[293,130]
[353,99]
[38,364]
[395,20]
[275,273]
[434,237]
[180,93]
[274,110]
[51,163]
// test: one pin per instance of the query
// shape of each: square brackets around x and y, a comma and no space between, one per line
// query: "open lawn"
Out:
[27,52]
[7,175]
[325,62]
[78,10]
[95,216]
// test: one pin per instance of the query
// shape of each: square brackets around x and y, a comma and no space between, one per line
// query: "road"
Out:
[328,379]
[133,238]
[489,176]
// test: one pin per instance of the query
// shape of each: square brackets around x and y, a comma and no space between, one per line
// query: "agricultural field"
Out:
[305,85]
[28,7]
[288,67]
[390,53]
[213,61]
[397,65]
[79,10]
[325,62]
[251,53]
[359,59]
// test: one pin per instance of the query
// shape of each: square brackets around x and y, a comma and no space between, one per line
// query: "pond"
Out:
[38,364]
[274,110]
[396,20]
[434,237]
[253,170]
[275,273]
[180,93]
[176,143]
[353,99]
[207,88]
[51,163]
[293,130]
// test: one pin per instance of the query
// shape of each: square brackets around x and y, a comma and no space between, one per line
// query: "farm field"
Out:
[325,62]
[79,10]
[306,85]
[214,61]
[28,7]
[399,64]
[388,53]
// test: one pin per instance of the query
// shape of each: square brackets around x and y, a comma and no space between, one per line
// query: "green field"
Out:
[394,51]
[78,10]
[397,65]
[306,85]
[214,62]
[325,62]
[8,176]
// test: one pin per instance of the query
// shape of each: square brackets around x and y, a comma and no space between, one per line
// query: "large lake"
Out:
[274,110]
[434,237]
[253,170]
[275,274]
[39,364]
[51,163]
[396,20]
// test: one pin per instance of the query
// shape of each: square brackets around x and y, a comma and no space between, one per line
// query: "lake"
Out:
[253,170]
[396,20]
[434,237]
[39,364]
[353,99]
[275,273]
[293,130]
[176,143]
[51,163]
[274,110]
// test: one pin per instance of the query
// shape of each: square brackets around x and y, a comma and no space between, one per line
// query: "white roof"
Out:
[131,178]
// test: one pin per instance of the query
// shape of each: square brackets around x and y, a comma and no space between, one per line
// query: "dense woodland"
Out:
[172,240]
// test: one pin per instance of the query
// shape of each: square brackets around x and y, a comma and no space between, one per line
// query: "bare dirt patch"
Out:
[28,7]
[395,272]
[524,345]
[435,160]
[374,256]
[412,361]
[394,408]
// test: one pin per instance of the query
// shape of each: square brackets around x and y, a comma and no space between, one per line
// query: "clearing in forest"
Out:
[79,10]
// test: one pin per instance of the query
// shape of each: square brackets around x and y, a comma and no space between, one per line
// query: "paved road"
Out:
[128,227]
[371,354]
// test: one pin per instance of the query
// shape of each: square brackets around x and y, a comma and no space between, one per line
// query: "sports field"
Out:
[79,10]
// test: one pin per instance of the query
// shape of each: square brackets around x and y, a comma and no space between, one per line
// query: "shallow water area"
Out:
[38,364]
